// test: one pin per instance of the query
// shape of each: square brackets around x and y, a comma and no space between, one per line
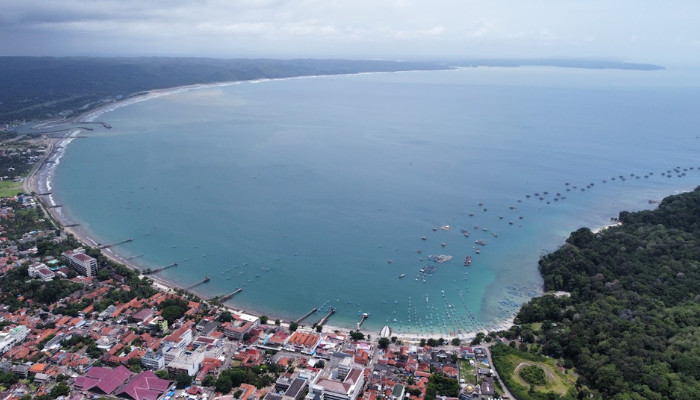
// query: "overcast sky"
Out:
[652,31]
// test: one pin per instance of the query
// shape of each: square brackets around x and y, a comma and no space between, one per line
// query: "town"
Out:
[76,325]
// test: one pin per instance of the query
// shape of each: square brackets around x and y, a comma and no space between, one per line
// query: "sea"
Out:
[341,192]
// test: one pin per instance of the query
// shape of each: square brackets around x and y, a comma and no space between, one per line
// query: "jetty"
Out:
[325,319]
[230,295]
[155,271]
[104,246]
[55,206]
[44,194]
[205,280]
[136,256]
[313,310]
[71,225]
[362,320]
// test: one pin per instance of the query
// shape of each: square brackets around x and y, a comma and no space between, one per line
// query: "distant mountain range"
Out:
[42,87]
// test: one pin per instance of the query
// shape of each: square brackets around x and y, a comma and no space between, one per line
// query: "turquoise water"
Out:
[302,191]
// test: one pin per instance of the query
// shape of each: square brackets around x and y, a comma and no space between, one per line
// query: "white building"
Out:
[153,360]
[12,336]
[348,389]
[41,271]
[81,262]
[189,362]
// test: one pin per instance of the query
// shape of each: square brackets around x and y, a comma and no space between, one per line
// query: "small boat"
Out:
[401,276]
[424,238]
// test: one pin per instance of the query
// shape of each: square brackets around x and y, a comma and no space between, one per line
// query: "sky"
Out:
[634,30]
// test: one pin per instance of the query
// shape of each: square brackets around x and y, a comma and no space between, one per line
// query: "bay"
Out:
[315,192]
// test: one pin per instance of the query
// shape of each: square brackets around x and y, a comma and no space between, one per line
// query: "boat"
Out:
[206,279]
[424,238]
[480,242]
[401,276]
[467,261]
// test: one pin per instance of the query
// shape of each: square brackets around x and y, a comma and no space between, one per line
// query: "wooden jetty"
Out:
[230,295]
[205,280]
[364,317]
[155,271]
[104,246]
[325,319]
[306,315]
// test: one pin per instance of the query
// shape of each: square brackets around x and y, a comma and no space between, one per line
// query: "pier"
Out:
[155,271]
[104,246]
[205,280]
[230,295]
[306,315]
[364,317]
[325,319]
[136,256]
[70,225]
[44,194]
[55,206]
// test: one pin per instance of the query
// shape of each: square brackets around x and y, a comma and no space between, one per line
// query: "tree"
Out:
[61,389]
[319,328]
[209,380]
[293,326]
[172,313]
[183,380]
[162,373]
[456,342]
[357,335]
[225,316]
[278,322]
[263,319]
[384,343]
[223,384]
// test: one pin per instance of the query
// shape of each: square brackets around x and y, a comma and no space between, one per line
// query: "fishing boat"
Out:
[401,276]
[467,261]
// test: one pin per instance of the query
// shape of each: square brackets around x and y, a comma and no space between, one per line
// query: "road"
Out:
[488,355]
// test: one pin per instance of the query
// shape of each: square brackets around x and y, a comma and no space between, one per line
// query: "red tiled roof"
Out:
[105,379]
[145,386]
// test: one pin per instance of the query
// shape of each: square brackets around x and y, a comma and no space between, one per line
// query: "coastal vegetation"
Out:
[631,322]
[531,377]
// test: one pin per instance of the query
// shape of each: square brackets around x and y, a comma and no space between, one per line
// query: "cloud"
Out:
[369,28]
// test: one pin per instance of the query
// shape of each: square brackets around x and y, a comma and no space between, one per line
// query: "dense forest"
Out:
[631,325]
[38,87]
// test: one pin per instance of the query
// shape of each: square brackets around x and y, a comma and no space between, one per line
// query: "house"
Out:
[487,387]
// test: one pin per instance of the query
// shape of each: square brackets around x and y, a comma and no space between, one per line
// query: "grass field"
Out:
[467,372]
[10,188]
[556,380]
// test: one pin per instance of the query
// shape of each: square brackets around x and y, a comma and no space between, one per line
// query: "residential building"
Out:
[153,359]
[11,336]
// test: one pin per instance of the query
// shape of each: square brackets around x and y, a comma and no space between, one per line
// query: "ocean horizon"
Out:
[334,191]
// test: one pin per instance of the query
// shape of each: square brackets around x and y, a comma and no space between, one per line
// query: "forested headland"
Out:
[631,326]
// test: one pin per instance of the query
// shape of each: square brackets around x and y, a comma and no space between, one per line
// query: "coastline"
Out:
[87,237]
